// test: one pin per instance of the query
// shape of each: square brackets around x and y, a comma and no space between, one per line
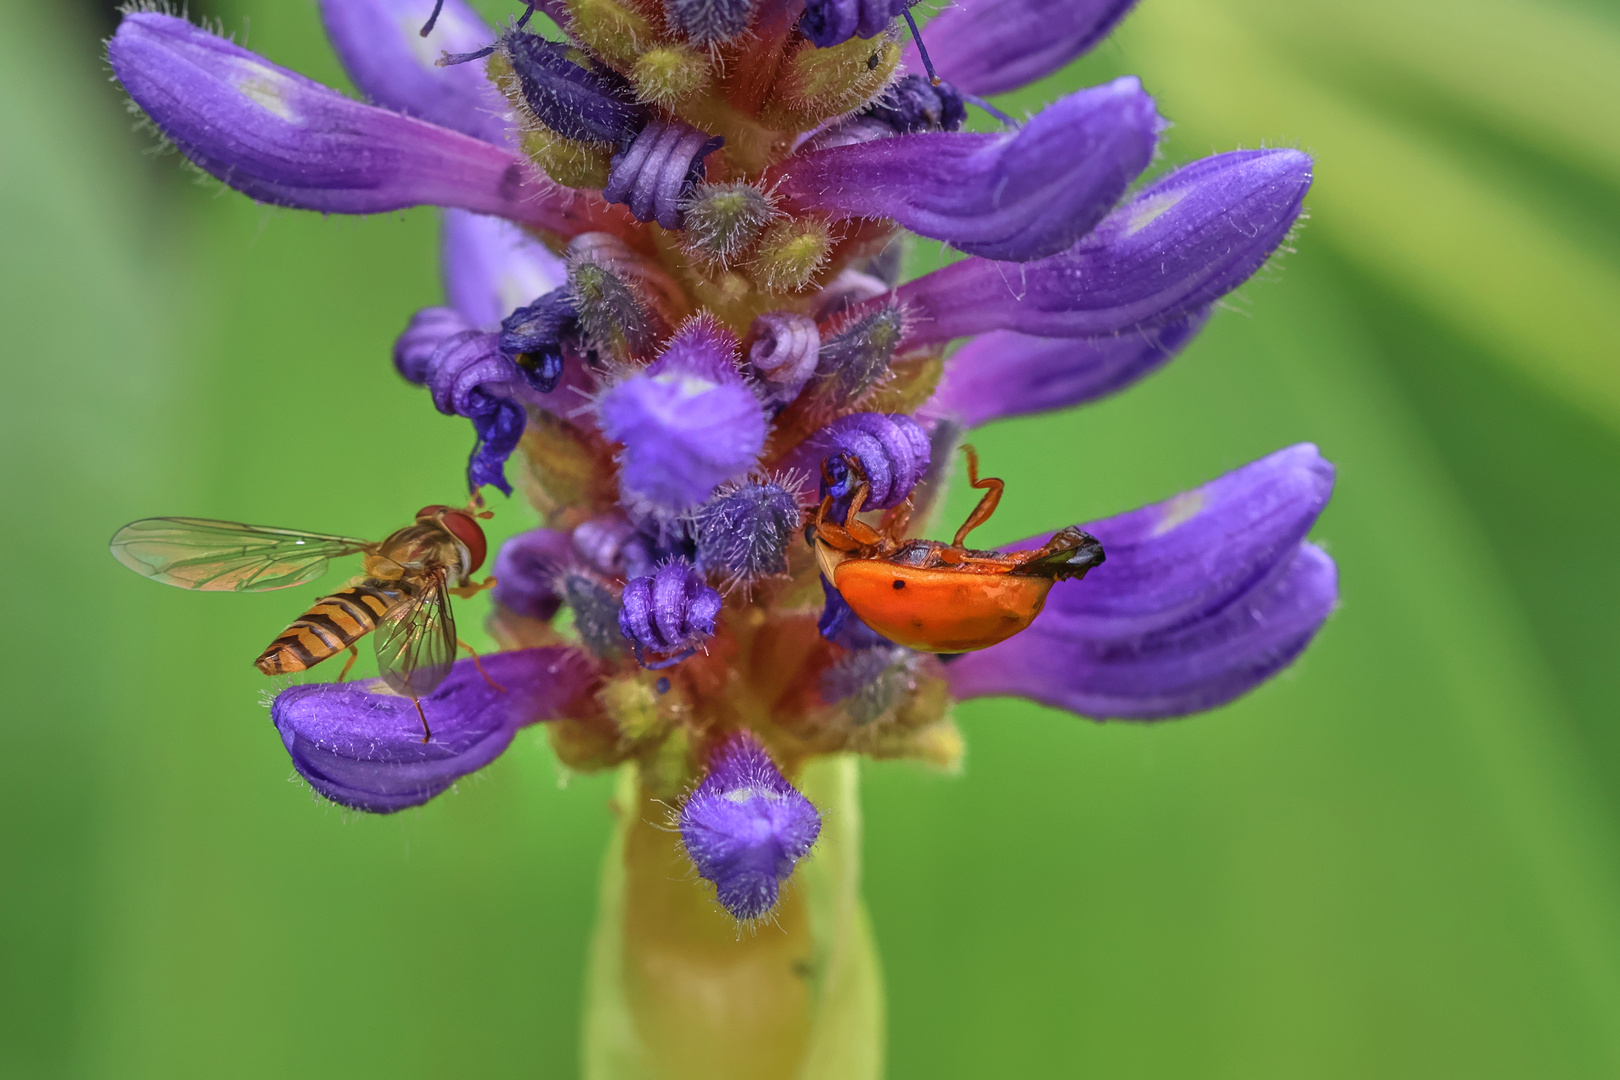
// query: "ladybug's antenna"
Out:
[916,35]
[427,27]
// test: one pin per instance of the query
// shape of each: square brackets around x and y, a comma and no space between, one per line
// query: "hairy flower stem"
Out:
[675,990]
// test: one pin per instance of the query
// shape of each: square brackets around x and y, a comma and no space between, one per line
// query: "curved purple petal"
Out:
[1199,599]
[360,745]
[527,572]
[991,46]
[892,449]
[280,138]
[382,49]
[492,267]
[1015,195]
[416,346]
[1002,374]
[1181,244]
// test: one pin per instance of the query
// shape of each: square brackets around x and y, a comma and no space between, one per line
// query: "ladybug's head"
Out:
[461,525]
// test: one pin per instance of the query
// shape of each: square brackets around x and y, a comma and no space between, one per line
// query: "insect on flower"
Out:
[941,598]
[403,593]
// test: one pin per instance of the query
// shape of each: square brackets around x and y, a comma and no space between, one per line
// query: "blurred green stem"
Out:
[676,990]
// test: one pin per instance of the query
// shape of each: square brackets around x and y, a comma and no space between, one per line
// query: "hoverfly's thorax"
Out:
[421,546]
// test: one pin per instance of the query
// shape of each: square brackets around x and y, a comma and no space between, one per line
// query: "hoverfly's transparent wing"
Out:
[227,556]
[417,644]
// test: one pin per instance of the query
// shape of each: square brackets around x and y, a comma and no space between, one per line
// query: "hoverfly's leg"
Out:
[427,732]
[470,590]
[992,488]
[354,654]
[475,506]
[479,664]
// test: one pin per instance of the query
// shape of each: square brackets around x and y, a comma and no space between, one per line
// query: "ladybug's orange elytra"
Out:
[942,598]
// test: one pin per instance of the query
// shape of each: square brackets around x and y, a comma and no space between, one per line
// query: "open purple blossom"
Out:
[745,827]
[673,313]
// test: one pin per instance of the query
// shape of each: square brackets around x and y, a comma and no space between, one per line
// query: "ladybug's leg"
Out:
[987,505]
[897,521]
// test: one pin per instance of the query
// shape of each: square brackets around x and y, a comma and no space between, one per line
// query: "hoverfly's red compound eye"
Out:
[464,527]
[431,511]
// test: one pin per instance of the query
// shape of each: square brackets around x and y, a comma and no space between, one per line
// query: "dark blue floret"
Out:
[912,103]
[591,104]
[743,534]
[532,338]
[833,22]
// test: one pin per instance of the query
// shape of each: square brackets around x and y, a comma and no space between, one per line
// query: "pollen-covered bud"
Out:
[586,102]
[669,74]
[596,612]
[655,173]
[832,22]
[611,316]
[667,616]
[688,422]
[818,83]
[745,827]
[891,449]
[869,682]
[743,534]
[722,221]
[709,21]
[782,349]
[790,254]
[532,338]
[913,103]
[615,31]
[527,570]
[569,163]
[856,358]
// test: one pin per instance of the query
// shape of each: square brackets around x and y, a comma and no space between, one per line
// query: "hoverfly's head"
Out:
[464,528]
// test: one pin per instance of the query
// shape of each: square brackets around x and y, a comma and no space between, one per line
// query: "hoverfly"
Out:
[941,598]
[403,593]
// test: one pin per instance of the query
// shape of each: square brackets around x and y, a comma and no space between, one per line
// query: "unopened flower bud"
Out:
[856,358]
[612,317]
[913,103]
[819,83]
[589,103]
[653,175]
[743,534]
[722,221]
[709,21]
[790,254]
[832,22]
[783,349]
[614,30]
[596,612]
[668,615]
[669,74]
[745,827]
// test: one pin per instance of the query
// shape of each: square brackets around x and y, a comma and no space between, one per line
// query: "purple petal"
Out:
[527,570]
[745,828]
[688,422]
[991,46]
[656,172]
[393,64]
[832,22]
[281,138]
[360,745]
[1015,195]
[492,267]
[1201,598]
[428,329]
[1002,374]
[892,449]
[1182,243]
[669,612]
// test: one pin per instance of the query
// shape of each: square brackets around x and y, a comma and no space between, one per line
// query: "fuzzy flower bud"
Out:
[589,104]
[724,220]
[612,318]
[669,74]
[856,358]
[832,22]
[527,571]
[745,828]
[596,612]
[783,349]
[743,534]
[655,173]
[913,103]
[790,253]
[709,21]
[672,612]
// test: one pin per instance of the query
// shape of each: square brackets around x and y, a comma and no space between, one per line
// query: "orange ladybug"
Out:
[942,598]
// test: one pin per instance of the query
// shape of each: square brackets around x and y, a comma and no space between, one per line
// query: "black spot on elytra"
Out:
[899,584]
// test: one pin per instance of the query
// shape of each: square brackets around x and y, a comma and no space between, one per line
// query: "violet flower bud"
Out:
[671,613]
[590,104]
[659,170]
[360,744]
[743,534]
[284,139]
[527,571]
[688,422]
[532,338]
[913,103]
[992,46]
[892,450]
[745,827]
[783,349]
[492,267]
[832,22]
[1015,195]
[1180,244]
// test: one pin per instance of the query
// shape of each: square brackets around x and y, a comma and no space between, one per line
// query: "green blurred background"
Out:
[1401,859]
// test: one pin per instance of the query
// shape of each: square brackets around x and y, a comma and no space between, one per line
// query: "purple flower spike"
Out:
[1182,243]
[991,46]
[659,169]
[1004,374]
[492,267]
[1015,195]
[891,448]
[783,348]
[1202,597]
[281,138]
[669,615]
[395,66]
[429,329]
[688,422]
[745,828]
[527,572]
[832,22]
[360,745]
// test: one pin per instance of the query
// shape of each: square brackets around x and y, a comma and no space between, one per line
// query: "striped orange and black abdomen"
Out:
[332,625]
